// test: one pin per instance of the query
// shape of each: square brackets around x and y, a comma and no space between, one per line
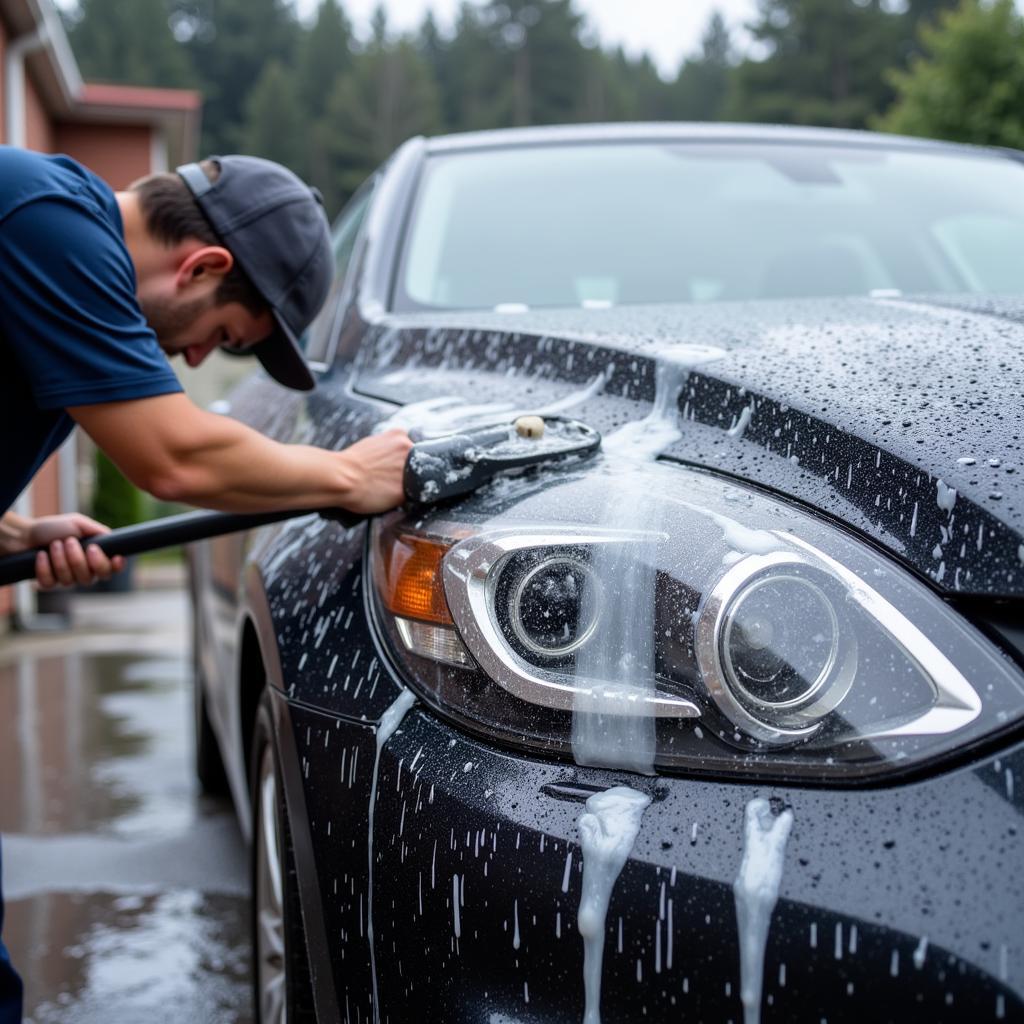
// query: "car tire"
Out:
[209,765]
[282,987]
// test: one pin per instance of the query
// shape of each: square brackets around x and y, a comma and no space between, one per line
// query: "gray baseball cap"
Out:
[275,227]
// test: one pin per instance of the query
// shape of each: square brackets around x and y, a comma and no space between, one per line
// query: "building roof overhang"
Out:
[176,112]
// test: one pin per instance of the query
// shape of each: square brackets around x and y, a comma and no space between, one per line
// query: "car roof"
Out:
[685,131]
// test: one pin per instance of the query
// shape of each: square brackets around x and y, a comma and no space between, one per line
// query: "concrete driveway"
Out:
[127,892]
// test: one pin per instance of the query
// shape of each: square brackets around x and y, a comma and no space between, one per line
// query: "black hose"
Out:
[168,532]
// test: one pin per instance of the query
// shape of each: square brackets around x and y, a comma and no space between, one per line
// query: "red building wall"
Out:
[117,153]
[38,128]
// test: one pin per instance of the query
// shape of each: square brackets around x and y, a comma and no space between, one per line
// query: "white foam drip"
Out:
[618,663]
[756,889]
[945,496]
[611,724]
[608,829]
[575,398]
[643,440]
[456,920]
[436,417]
[740,426]
[742,538]
[389,722]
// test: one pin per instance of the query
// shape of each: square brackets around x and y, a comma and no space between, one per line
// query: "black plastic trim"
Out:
[317,948]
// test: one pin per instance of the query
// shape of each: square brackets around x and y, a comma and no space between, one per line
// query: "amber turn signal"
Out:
[409,577]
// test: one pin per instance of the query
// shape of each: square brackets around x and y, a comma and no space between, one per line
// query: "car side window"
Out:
[343,241]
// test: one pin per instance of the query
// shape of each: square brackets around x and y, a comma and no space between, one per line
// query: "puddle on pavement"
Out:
[179,956]
[95,742]
[126,891]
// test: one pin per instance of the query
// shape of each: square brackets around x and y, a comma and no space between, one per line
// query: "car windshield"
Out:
[610,224]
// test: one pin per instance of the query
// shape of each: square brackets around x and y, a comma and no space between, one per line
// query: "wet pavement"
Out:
[127,892]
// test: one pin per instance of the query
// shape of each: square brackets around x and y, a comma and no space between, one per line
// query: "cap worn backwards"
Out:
[275,227]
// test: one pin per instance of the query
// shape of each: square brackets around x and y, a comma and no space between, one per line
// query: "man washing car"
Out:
[97,288]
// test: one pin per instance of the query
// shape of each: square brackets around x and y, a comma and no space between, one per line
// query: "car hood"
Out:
[899,416]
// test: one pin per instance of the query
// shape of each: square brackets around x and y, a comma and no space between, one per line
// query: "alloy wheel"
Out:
[270,951]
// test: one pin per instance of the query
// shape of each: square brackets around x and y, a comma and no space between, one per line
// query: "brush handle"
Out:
[436,470]
[169,532]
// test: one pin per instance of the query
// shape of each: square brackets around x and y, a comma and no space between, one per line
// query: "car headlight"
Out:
[775,645]
[686,623]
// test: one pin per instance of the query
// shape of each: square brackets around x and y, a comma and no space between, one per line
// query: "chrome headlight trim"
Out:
[470,573]
[796,720]
[515,605]
[956,705]
[730,625]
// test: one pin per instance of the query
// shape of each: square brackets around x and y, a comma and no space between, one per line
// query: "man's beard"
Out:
[173,318]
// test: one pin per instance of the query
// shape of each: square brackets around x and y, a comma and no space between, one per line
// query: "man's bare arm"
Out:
[176,451]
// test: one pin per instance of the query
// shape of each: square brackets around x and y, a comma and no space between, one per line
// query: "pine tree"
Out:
[917,14]
[920,11]
[825,64]
[435,51]
[969,83]
[274,121]
[231,42]
[474,95]
[388,96]
[606,92]
[128,43]
[617,87]
[325,52]
[538,59]
[702,85]
[651,91]
[325,55]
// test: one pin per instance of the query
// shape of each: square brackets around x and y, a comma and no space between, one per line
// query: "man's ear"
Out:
[212,261]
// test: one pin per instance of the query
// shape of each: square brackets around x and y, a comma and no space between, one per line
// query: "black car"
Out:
[721,723]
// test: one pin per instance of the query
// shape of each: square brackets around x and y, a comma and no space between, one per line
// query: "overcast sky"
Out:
[667,29]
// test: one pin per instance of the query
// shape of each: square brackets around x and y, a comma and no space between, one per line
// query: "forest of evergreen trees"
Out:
[332,106]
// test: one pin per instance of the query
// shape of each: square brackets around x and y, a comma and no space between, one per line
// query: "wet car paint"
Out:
[922,934]
[888,907]
[126,895]
[900,844]
[855,406]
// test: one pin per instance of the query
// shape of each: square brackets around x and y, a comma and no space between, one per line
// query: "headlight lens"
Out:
[776,646]
[551,605]
[780,635]
[702,626]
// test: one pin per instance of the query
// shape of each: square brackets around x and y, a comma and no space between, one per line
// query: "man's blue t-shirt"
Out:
[71,331]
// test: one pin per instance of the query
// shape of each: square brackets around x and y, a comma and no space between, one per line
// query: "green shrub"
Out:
[116,502]
[967,85]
